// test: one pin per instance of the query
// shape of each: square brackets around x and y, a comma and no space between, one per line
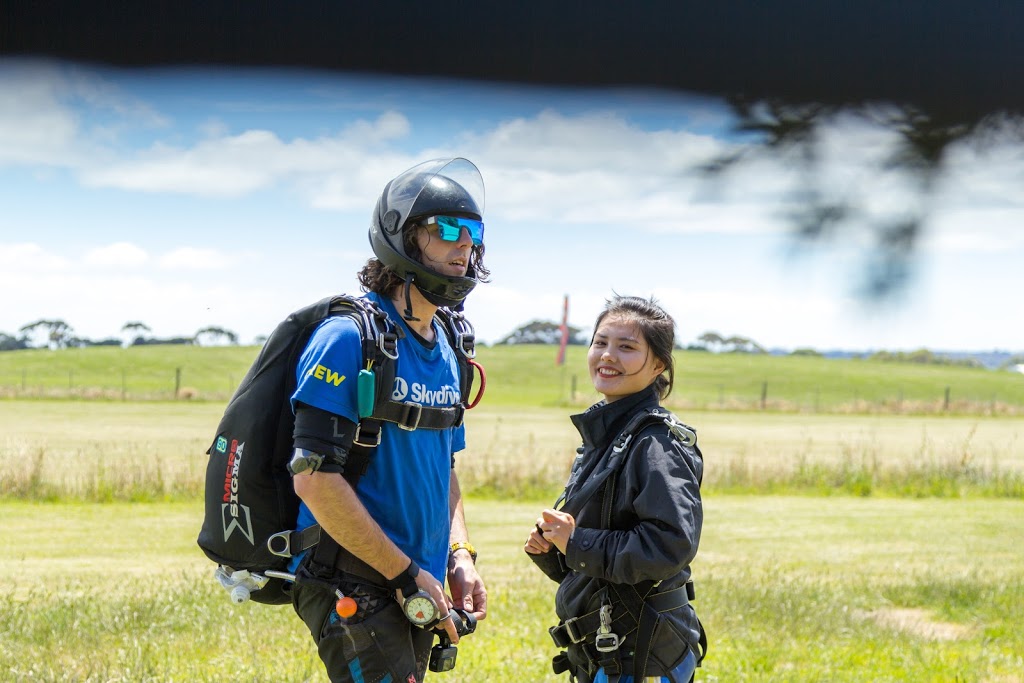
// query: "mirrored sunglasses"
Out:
[449,228]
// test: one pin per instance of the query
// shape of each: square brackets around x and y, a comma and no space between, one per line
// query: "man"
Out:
[400,532]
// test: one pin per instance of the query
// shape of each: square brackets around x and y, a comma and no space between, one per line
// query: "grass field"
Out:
[794,589]
[526,376]
[843,544]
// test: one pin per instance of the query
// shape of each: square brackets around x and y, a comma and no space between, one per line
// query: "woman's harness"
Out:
[625,607]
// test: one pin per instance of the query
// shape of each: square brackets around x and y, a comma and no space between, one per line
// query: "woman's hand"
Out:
[553,528]
[535,542]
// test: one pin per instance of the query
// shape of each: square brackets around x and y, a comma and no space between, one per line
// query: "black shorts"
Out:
[378,643]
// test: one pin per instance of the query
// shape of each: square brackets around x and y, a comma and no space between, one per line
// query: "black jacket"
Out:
[652,517]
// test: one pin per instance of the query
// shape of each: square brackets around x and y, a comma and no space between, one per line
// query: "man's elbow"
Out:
[308,485]
[312,486]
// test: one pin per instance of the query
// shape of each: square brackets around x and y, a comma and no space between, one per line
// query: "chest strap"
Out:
[411,416]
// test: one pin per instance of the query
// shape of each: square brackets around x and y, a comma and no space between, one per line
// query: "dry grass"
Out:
[151,451]
[916,622]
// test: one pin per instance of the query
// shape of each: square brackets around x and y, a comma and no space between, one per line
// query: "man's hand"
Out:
[432,587]
[467,587]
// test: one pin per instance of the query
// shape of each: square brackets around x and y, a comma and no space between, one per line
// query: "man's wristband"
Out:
[463,545]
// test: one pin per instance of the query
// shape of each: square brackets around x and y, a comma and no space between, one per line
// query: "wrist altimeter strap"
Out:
[406,580]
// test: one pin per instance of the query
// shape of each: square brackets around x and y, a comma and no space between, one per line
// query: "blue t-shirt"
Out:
[406,487]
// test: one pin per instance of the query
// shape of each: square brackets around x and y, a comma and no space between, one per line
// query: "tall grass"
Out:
[522,455]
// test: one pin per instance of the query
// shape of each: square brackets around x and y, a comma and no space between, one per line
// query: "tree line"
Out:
[547,332]
[58,334]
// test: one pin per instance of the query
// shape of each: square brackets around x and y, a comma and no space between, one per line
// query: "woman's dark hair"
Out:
[378,278]
[655,325]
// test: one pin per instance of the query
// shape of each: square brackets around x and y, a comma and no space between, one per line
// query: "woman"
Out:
[621,544]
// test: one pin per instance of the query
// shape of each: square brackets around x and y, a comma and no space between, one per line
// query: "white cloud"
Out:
[235,165]
[193,258]
[121,255]
[28,257]
[35,126]
[53,114]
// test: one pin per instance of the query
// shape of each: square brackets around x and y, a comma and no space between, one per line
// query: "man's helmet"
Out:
[449,187]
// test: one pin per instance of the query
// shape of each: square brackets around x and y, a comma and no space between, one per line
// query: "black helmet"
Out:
[436,187]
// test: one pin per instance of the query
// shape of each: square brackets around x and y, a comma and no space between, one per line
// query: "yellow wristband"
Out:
[463,545]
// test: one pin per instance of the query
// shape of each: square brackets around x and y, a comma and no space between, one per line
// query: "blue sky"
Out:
[187,198]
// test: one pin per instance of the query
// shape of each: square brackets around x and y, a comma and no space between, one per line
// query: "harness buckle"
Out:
[606,642]
[575,637]
[466,343]
[681,431]
[388,345]
[460,414]
[604,639]
[280,544]
[411,419]
[367,444]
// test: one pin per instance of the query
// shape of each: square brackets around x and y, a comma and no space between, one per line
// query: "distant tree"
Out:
[544,332]
[924,357]
[712,341]
[806,352]
[260,340]
[132,330]
[58,332]
[153,341]
[739,344]
[212,334]
[109,341]
[9,343]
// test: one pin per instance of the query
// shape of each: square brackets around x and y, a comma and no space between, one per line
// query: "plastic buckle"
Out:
[415,409]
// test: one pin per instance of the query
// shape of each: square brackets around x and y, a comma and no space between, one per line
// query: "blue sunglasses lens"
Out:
[450,228]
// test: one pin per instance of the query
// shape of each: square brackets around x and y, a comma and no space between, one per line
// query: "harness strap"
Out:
[380,349]
[649,620]
[291,543]
[577,629]
[412,416]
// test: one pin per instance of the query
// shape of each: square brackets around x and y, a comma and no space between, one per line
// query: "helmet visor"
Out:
[437,187]
[449,228]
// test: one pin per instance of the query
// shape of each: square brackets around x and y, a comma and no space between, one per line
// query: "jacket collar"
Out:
[602,422]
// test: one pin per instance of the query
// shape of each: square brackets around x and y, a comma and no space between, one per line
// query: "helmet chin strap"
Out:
[407,314]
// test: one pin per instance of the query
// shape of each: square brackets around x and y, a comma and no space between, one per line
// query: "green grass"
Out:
[526,376]
[789,588]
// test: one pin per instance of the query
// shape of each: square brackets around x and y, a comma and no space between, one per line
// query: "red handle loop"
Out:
[483,384]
